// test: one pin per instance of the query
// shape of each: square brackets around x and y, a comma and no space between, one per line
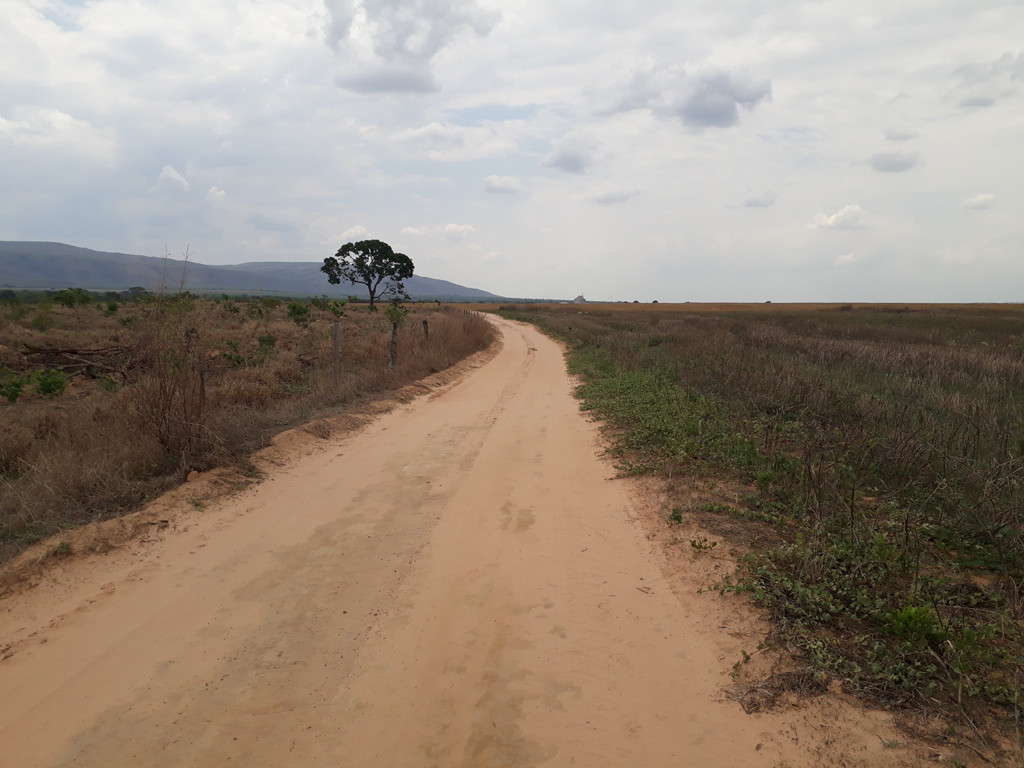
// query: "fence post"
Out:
[394,346]
[336,354]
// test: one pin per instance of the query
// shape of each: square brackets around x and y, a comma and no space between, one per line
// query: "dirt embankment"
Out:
[459,582]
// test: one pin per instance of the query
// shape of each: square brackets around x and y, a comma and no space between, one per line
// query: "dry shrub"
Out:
[198,386]
[247,388]
[91,464]
[15,445]
[168,395]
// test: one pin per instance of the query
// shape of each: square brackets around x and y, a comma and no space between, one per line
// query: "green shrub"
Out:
[11,385]
[298,312]
[50,382]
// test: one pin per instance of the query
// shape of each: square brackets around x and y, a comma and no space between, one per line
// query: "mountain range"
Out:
[39,266]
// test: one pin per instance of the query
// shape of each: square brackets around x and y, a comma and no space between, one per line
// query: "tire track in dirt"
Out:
[461,583]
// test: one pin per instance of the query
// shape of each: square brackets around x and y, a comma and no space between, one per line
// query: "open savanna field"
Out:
[107,404]
[866,461]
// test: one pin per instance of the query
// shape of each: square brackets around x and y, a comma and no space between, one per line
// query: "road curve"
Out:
[461,583]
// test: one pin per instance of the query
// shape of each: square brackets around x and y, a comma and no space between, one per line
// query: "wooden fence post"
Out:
[394,345]
[336,354]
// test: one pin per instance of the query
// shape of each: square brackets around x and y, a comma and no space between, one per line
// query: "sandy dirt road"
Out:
[460,583]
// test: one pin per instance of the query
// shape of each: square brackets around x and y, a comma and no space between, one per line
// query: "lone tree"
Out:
[73,297]
[371,263]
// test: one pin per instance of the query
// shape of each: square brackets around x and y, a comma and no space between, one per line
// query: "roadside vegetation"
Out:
[108,400]
[870,459]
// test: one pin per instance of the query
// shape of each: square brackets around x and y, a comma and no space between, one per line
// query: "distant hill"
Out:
[38,266]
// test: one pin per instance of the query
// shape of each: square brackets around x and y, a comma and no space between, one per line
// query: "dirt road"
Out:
[461,583]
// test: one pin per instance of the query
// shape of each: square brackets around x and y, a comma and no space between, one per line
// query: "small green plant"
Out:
[266,343]
[675,517]
[11,385]
[261,307]
[334,306]
[298,312]
[62,550]
[395,312]
[701,544]
[916,623]
[42,322]
[234,354]
[239,359]
[50,382]
[739,664]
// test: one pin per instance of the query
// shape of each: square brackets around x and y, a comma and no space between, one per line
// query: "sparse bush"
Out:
[298,312]
[266,343]
[883,455]
[63,549]
[11,385]
[72,297]
[169,401]
[50,382]
[43,321]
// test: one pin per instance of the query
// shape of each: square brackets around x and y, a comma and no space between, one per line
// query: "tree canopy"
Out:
[73,297]
[372,263]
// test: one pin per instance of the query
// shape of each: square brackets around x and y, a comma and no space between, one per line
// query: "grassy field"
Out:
[104,405]
[871,460]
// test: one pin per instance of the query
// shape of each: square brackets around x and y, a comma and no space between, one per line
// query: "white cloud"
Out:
[894,162]
[448,231]
[445,142]
[573,154]
[317,115]
[984,85]
[846,259]
[457,231]
[897,134]
[847,217]
[709,98]
[980,202]
[960,255]
[614,194]
[170,176]
[43,128]
[763,199]
[387,46]
[502,185]
[358,232]
[391,79]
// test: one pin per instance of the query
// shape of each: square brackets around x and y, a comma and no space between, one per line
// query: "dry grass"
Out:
[881,457]
[164,387]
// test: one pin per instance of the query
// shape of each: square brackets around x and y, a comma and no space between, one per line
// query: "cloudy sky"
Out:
[867,150]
